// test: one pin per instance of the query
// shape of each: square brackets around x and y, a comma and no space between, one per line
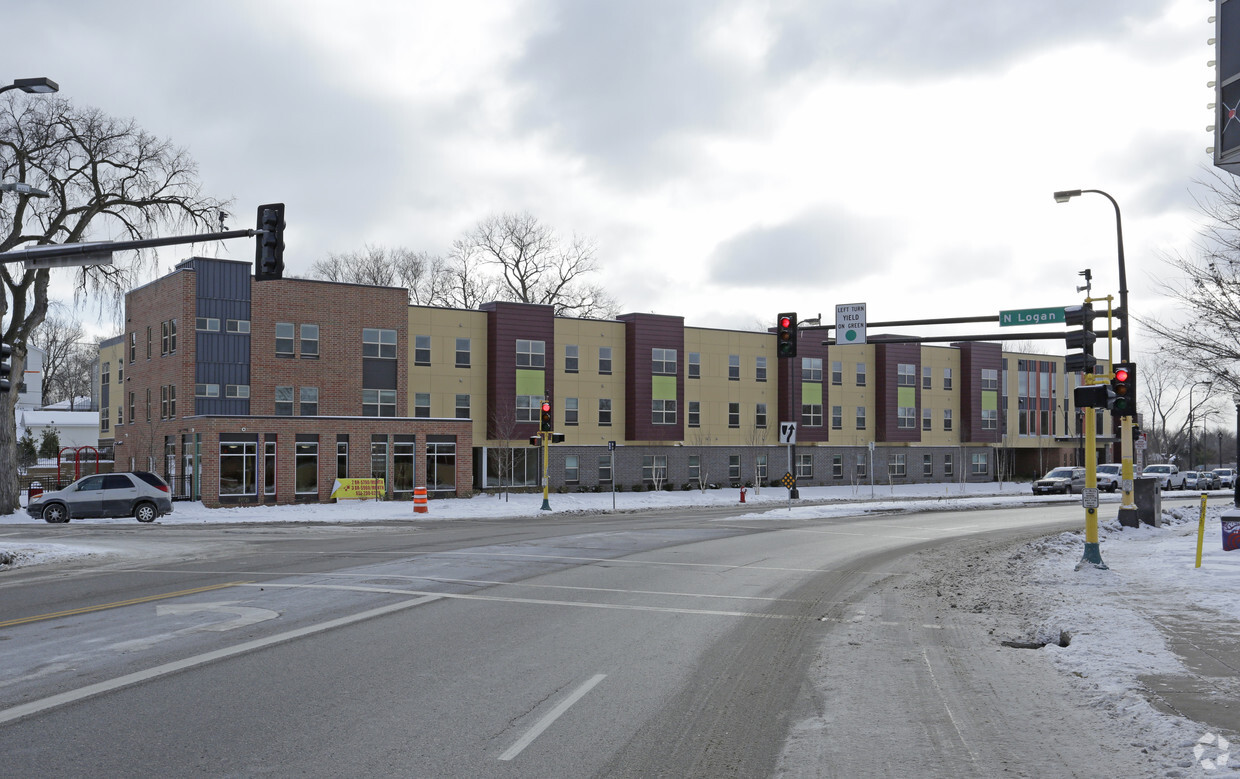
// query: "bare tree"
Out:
[429,278]
[701,441]
[106,177]
[538,266]
[1169,398]
[59,338]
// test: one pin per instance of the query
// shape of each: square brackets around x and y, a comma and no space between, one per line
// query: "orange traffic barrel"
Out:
[419,500]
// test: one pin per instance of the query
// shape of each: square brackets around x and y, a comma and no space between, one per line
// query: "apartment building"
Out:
[250,392]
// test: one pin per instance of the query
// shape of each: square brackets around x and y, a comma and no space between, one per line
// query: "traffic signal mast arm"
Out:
[47,251]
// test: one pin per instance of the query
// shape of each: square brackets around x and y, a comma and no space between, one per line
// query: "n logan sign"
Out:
[1032,316]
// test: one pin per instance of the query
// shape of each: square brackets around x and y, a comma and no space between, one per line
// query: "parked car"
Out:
[1200,480]
[138,494]
[1109,477]
[1226,477]
[1169,476]
[1065,480]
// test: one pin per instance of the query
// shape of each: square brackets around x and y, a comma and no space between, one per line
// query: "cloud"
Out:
[816,248]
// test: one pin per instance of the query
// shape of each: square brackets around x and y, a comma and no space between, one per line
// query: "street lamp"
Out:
[41,85]
[22,188]
[1127,509]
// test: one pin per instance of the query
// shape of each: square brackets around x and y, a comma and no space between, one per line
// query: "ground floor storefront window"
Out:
[403,465]
[306,467]
[238,467]
[440,463]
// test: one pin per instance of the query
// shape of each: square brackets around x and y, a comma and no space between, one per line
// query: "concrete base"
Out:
[1128,516]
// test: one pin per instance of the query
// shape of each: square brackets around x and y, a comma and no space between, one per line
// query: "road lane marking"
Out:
[117,604]
[241,615]
[624,561]
[533,601]
[551,717]
[943,699]
[72,696]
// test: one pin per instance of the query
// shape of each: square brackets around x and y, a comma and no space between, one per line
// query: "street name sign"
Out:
[1032,316]
[850,323]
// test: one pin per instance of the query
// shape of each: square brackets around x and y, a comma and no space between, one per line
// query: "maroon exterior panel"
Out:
[974,356]
[886,410]
[642,333]
[506,324]
[809,344]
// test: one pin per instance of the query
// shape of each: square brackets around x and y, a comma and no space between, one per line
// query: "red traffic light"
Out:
[546,407]
[785,322]
[1121,374]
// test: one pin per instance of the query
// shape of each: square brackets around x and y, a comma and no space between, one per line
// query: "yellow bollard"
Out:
[1201,530]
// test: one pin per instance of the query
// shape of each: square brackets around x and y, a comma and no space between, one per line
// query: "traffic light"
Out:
[1082,339]
[786,335]
[545,419]
[1093,396]
[269,252]
[6,352]
[1124,384]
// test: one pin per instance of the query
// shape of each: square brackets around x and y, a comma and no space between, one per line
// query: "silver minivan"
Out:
[138,494]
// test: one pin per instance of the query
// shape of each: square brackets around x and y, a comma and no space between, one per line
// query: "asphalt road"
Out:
[635,645]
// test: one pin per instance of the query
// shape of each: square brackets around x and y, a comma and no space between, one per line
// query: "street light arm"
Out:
[1064,196]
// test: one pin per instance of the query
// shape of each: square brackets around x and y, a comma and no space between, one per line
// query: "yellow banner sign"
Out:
[358,489]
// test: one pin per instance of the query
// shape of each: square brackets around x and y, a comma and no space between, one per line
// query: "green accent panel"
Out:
[990,400]
[811,393]
[663,387]
[906,397]
[531,382]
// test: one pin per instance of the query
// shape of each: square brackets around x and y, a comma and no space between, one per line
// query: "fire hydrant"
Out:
[743,494]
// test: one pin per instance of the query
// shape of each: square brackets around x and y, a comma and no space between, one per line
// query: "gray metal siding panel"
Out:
[379,374]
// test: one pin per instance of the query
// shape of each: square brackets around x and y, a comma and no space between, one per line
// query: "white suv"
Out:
[1109,477]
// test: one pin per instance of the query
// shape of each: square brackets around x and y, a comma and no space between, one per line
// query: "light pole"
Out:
[1191,410]
[1235,478]
[41,85]
[1127,509]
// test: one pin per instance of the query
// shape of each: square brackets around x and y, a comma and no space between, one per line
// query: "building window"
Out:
[862,470]
[238,468]
[663,362]
[990,419]
[133,347]
[379,458]
[811,369]
[837,466]
[837,417]
[981,463]
[805,466]
[604,468]
[379,342]
[695,413]
[926,377]
[654,468]
[663,412]
[163,402]
[306,464]
[378,403]
[760,369]
[734,367]
[695,365]
[570,412]
[237,326]
[342,457]
[695,467]
[898,465]
[947,420]
[308,400]
[837,373]
[734,415]
[604,360]
[906,375]
[529,408]
[811,415]
[571,470]
[148,343]
[604,412]
[462,407]
[760,469]
[120,371]
[990,379]
[860,374]
[103,420]
[571,353]
[403,455]
[734,467]
[284,401]
[309,342]
[861,417]
[759,415]
[462,352]
[200,391]
[172,401]
[236,390]
[120,415]
[947,465]
[927,466]
[207,324]
[163,338]
[531,354]
[284,339]
[269,467]
[906,418]
[421,350]
[947,378]
[105,374]
[926,419]
[421,405]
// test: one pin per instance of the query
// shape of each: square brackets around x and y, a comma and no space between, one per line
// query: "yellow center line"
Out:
[118,604]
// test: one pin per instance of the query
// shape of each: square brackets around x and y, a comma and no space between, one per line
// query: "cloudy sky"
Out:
[733,159]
